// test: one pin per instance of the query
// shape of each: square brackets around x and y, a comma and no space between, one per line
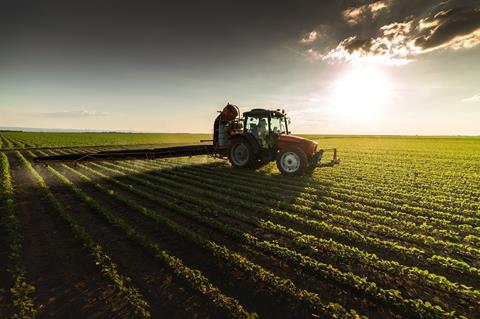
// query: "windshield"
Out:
[256,125]
[277,125]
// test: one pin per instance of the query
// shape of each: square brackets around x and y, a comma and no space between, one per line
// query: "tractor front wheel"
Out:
[292,161]
[241,154]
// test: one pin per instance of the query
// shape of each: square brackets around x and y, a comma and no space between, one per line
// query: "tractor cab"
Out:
[265,126]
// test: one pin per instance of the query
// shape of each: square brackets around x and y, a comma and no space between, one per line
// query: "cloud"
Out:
[455,28]
[316,42]
[387,32]
[391,47]
[355,15]
[320,35]
[74,114]
[310,37]
[473,99]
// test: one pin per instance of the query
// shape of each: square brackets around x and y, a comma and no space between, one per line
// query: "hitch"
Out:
[317,157]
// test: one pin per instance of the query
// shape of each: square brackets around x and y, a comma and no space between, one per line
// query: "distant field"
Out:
[48,139]
[391,232]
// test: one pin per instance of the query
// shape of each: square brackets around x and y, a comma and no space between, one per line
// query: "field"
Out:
[30,139]
[392,232]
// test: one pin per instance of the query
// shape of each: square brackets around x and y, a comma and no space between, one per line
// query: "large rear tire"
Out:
[292,161]
[241,155]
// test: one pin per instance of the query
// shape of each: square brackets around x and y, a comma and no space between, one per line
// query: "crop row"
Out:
[54,139]
[397,183]
[276,199]
[375,172]
[100,258]
[439,200]
[409,163]
[375,206]
[20,290]
[368,202]
[431,225]
[271,187]
[16,143]
[326,229]
[257,273]
[348,279]
[342,185]
[444,200]
[407,178]
[418,159]
[6,143]
[192,277]
[366,176]
[334,248]
[219,193]
[206,181]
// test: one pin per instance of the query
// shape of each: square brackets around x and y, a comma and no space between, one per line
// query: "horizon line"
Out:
[99,131]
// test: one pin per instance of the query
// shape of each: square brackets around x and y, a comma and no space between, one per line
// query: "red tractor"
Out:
[262,136]
[258,138]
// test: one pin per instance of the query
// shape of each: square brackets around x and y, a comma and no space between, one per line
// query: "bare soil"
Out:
[68,285]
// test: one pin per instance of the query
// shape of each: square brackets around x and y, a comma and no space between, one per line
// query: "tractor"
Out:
[249,142]
[262,136]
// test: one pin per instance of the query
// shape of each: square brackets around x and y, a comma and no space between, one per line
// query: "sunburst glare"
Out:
[360,93]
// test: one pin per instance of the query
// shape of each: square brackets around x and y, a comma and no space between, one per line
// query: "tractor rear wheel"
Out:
[292,161]
[241,154]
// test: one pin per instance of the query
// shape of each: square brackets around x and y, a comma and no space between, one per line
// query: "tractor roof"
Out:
[263,112]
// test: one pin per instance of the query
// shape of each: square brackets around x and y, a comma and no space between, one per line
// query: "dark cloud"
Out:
[356,44]
[186,35]
[367,12]
[396,31]
[449,24]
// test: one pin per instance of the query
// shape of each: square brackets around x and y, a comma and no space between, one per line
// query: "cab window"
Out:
[277,125]
[258,126]
[251,125]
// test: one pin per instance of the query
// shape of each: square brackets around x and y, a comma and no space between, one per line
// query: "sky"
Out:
[336,67]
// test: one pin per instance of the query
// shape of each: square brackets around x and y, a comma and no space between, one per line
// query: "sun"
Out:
[360,93]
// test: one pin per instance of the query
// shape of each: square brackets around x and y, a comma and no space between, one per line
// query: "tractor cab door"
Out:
[258,126]
[278,126]
[265,129]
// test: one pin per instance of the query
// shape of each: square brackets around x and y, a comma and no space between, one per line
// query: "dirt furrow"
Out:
[166,295]
[67,283]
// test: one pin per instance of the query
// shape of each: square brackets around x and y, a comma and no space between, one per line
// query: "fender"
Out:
[306,145]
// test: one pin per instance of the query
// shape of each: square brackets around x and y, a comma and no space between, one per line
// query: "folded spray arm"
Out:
[319,155]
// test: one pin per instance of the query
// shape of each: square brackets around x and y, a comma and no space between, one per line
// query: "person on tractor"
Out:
[262,128]
[262,131]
